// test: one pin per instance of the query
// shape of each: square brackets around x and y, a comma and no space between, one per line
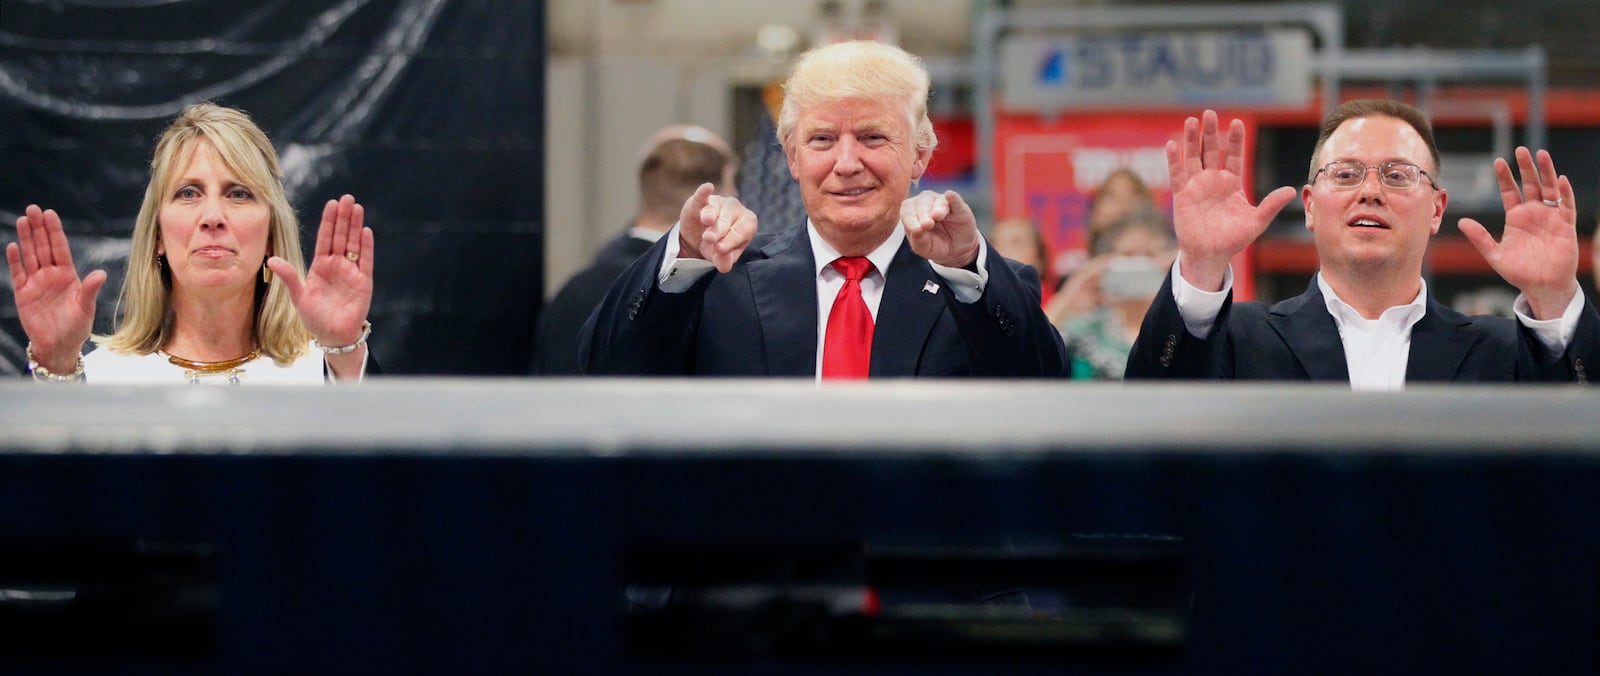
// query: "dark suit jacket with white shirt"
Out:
[1296,339]
[760,319]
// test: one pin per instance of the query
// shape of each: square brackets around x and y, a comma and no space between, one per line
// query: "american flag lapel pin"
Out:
[930,287]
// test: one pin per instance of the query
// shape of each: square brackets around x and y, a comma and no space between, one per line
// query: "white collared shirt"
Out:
[830,280]
[1199,310]
[1376,351]
[677,275]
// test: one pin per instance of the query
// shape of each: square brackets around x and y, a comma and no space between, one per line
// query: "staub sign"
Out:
[1057,72]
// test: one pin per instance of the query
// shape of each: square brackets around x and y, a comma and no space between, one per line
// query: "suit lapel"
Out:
[1313,338]
[1439,343]
[784,287]
[906,315]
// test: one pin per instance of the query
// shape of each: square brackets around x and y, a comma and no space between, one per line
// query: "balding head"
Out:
[674,162]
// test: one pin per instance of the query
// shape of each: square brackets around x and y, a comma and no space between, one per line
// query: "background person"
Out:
[1018,240]
[1080,292]
[673,162]
[1121,193]
[1117,287]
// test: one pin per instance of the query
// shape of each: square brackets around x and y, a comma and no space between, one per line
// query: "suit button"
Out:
[637,305]
[1003,318]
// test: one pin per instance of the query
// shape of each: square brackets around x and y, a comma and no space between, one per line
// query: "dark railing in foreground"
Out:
[726,526]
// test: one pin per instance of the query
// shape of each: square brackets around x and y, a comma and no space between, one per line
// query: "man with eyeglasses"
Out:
[1372,202]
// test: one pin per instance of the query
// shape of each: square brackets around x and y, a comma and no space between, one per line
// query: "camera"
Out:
[1128,277]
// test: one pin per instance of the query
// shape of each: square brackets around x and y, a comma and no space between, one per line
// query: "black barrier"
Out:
[1107,599]
[443,526]
[111,602]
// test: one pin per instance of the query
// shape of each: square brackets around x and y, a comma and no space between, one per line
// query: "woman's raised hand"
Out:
[336,293]
[55,306]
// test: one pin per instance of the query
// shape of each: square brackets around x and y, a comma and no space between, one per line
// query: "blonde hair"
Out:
[859,69]
[144,307]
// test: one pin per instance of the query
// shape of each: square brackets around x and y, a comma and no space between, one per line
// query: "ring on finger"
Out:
[1552,203]
[353,256]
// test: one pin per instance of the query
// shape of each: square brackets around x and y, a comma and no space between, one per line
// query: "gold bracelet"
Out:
[43,375]
[366,330]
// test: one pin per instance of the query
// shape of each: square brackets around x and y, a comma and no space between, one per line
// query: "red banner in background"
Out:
[955,161]
[1047,171]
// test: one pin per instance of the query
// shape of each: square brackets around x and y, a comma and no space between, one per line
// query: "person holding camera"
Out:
[1099,309]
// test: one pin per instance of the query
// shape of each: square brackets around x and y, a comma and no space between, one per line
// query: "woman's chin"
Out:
[214,280]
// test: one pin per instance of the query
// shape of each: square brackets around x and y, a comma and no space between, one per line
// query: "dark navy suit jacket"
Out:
[760,319]
[1296,339]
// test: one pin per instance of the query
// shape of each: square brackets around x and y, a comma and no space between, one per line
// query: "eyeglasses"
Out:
[1399,175]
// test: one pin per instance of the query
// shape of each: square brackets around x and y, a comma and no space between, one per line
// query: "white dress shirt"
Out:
[1377,351]
[676,275]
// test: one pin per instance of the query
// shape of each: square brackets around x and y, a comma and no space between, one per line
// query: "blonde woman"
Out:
[214,291]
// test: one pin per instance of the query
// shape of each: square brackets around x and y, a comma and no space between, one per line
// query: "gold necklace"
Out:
[212,366]
[228,367]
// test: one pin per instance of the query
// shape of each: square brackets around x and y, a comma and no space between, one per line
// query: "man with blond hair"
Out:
[874,284]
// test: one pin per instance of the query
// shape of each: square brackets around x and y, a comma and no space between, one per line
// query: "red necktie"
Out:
[847,346]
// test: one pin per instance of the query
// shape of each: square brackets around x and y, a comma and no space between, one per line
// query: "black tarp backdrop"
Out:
[430,112]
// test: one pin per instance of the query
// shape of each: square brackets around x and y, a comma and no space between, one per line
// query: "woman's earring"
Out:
[266,274]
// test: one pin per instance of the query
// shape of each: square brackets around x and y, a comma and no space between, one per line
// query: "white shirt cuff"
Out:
[1555,334]
[965,284]
[1199,308]
[678,274]
[361,374]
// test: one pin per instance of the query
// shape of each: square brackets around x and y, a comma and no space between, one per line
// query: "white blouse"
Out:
[102,366]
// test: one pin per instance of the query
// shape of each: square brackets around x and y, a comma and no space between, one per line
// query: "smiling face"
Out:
[214,228]
[1373,229]
[855,160]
